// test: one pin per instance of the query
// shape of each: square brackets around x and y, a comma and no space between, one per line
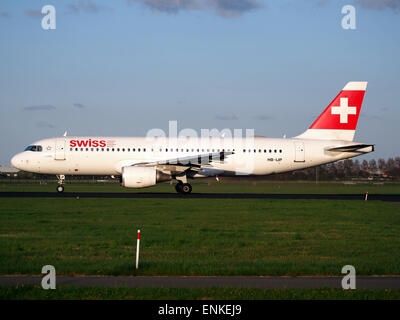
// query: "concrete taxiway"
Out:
[149,195]
[362,282]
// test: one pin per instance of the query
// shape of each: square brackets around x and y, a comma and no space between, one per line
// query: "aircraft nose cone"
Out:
[15,161]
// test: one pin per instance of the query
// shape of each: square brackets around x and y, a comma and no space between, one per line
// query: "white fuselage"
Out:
[108,155]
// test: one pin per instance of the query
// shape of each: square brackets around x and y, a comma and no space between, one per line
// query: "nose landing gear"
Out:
[61,180]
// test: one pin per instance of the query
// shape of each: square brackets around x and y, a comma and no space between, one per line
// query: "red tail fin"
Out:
[339,120]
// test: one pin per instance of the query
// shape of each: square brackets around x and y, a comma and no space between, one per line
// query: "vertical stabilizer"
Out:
[339,120]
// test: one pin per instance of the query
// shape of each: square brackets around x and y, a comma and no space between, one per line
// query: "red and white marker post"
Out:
[137,249]
[366,196]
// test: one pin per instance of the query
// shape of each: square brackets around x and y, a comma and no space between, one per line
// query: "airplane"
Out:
[145,161]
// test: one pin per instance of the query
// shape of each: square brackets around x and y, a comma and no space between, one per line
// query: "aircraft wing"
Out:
[193,163]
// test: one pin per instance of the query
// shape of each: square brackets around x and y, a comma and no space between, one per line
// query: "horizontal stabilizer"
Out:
[361,148]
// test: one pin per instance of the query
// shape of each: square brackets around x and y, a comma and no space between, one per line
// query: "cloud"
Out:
[4,14]
[79,105]
[169,6]
[44,124]
[322,3]
[263,117]
[226,116]
[33,13]
[85,6]
[369,4]
[224,8]
[380,4]
[234,8]
[370,116]
[318,3]
[44,107]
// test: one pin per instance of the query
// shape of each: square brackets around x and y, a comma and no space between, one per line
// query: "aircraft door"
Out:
[60,149]
[299,152]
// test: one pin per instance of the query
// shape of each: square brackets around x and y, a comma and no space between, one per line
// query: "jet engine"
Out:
[142,177]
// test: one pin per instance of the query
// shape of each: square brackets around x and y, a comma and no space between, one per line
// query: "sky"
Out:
[123,67]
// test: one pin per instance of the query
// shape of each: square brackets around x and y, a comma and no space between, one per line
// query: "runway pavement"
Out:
[147,195]
[362,282]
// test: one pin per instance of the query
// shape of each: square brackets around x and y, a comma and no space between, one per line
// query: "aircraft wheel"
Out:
[60,189]
[186,188]
[178,187]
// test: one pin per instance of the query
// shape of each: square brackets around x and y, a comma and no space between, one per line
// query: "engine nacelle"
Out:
[142,177]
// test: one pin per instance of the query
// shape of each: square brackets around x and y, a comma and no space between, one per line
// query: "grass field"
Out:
[199,237]
[218,187]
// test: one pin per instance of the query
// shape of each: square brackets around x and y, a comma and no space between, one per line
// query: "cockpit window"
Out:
[34,148]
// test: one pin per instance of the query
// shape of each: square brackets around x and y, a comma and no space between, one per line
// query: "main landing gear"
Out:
[61,180]
[184,188]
